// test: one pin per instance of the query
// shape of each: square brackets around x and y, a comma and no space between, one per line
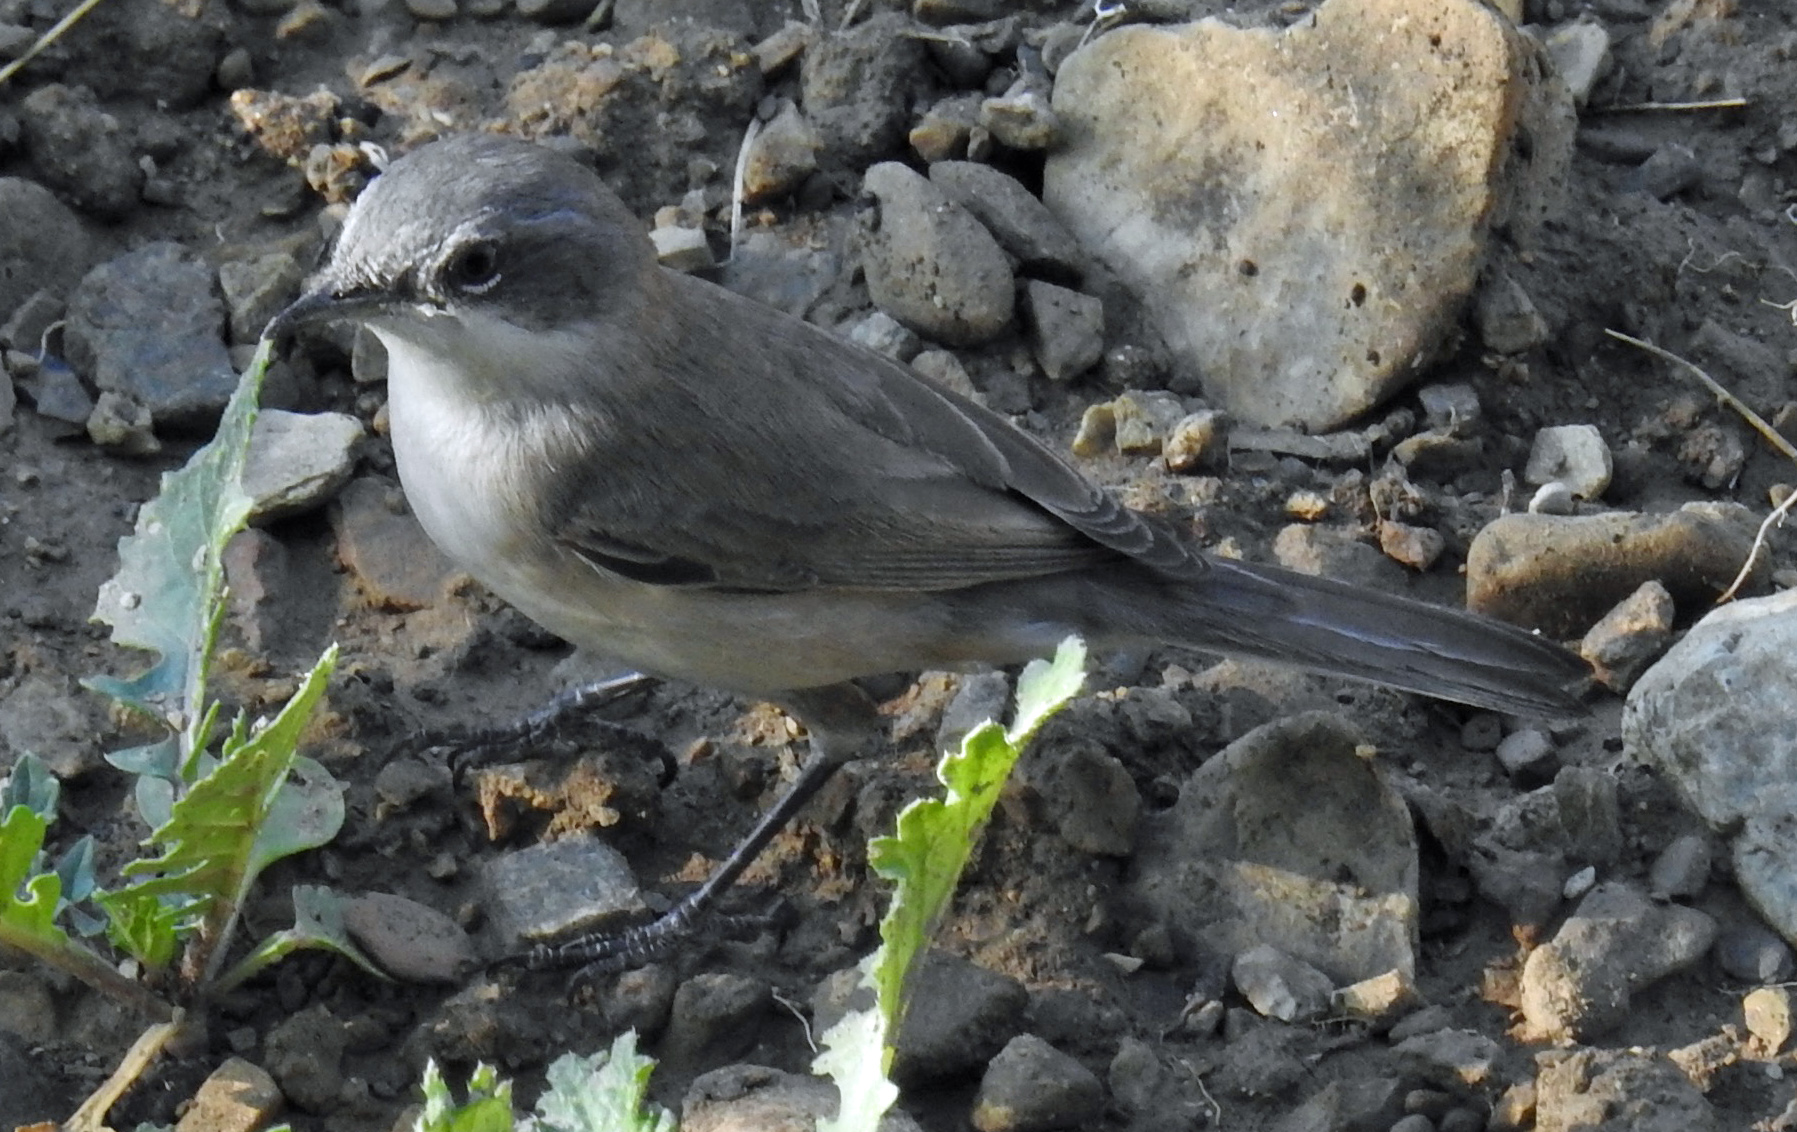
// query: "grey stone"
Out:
[1451,406]
[682,249]
[1087,793]
[574,885]
[388,554]
[1560,574]
[410,941]
[1525,883]
[48,716]
[1145,1086]
[1682,869]
[1207,207]
[1033,1087]
[1551,499]
[554,12]
[57,394]
[257,289]
[1142,421]
[1581,54]
[1713,717]
[1371,1104]
[1066,329]
[1671,170]
[960,1016]
[782,155]
[1450,1059]
[1630,637]
[1279,986]
[1506,317]
[148,325]
[1335,552]
[80,150]
[298,461]
[1617,1090]
[43,247]
[981,696]
[883,334]
[431,9]
[27,1011]
[1590,814]
[1019,221]
[931,265]
[642,1000]
[1528,757]
[304,1055]
[715,1017]
[1752,954]
[1574,455]
[1616,944]
[856,87]
[1229,867]
[1350,448]
[753,1098]
[150,52]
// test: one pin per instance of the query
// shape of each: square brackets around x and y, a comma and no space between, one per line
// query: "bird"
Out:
[664,472]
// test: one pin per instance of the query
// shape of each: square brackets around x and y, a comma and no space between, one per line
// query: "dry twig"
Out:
[1772,435]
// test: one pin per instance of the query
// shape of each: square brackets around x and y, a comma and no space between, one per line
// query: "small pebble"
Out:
[1579,883]
[1482,732]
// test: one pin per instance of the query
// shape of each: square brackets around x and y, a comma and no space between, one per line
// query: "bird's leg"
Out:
[470,748]
[843,723]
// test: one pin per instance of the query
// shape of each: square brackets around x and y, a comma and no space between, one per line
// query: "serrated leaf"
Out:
[164,597]
[317,924]
[487,1109]
[27,903]
[220,834]
[924,859]
[606,1092]
[854,1057]
[148,927]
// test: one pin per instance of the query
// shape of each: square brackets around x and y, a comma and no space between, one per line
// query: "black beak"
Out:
[322,304]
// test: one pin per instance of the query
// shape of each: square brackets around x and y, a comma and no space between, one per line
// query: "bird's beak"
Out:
[324,303]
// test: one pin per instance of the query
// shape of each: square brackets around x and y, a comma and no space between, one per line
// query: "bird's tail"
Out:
[1327,626]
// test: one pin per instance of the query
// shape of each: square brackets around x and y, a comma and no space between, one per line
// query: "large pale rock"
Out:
[1714,717]
[1288,838]
[1305,211]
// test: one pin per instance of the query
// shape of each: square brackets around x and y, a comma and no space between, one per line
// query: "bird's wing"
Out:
[808,462]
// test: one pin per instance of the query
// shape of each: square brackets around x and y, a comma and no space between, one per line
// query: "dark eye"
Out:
[474,267]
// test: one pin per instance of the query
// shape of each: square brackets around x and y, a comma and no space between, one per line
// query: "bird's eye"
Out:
[474,267]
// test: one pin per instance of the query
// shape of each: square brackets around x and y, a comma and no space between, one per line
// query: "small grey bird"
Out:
[667,473]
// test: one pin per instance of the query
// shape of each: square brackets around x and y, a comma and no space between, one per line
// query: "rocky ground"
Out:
[1329,284]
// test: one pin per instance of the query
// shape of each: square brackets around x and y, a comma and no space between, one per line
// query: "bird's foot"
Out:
[606,953]
[469,748]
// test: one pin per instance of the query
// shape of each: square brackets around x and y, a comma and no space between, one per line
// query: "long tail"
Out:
[1330,627]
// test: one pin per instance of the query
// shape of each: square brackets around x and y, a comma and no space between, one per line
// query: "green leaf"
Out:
[925,859]
[28,903]
[487,1109]
[317,924]
[243,815]
[606,1092]
[148,927]
[165,596]
[854,1057]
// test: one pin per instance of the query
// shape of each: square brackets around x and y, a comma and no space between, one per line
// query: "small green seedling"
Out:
[606,1092]
[924,860]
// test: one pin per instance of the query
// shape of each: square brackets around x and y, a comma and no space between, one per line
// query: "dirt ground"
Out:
[1719,250]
